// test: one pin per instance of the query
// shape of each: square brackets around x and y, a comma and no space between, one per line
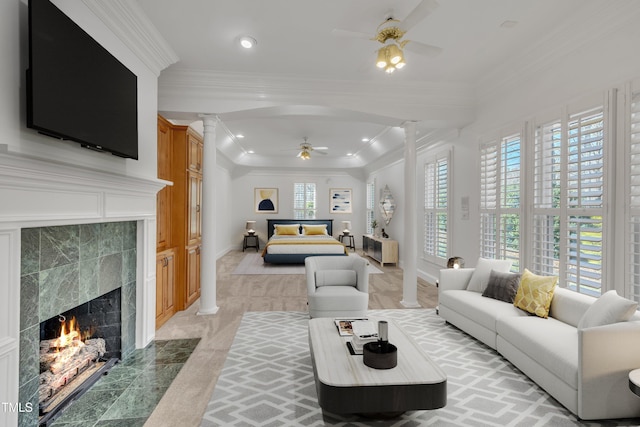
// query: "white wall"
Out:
[242,189]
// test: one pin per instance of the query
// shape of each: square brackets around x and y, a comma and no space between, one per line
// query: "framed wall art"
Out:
[340,200]
[265,200]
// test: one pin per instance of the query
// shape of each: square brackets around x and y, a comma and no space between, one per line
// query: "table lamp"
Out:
[455,262]
[346,227]
[250,228]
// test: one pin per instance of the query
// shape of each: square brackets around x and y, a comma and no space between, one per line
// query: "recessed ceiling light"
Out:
[365,139]
[240,136]
[247,42]
[251,152]
[349,154]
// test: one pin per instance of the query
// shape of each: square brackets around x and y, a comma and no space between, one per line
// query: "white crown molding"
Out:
[259,90]
[588,25]
[129,23]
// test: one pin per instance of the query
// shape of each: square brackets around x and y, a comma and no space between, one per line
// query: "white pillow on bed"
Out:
[314,230]
[286,229]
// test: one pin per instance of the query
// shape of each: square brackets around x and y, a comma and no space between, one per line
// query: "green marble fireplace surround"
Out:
[63,267]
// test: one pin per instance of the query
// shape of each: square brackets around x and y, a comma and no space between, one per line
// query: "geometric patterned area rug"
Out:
[267,379]
[253,263]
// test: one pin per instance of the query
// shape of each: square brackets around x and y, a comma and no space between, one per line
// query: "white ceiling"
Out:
[306,81]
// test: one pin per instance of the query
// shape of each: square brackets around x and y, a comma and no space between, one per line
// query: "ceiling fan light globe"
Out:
[381,62]
[400,64]
[390,69]
[394,53]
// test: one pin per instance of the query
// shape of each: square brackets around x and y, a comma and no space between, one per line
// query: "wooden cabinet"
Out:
[179,217]
[165,286]
[193,273]
[163,200]
[385,251]
[194,220]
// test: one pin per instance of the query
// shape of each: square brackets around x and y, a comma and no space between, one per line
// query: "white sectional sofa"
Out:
[586,369]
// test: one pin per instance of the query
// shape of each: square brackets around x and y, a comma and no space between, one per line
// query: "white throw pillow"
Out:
[609,308]
[480,277]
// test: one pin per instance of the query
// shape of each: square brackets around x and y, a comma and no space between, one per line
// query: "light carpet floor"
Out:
[267,379]
[253,264]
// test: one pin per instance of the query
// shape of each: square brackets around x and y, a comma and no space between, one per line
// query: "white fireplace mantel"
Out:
[36,193]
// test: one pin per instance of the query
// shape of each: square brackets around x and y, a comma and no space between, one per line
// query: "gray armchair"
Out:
[337,286]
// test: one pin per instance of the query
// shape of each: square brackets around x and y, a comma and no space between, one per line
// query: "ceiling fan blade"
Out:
[320,148]
[422,48]
[421,11]
[351,34]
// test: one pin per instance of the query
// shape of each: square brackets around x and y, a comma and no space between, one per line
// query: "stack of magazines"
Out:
[364,331]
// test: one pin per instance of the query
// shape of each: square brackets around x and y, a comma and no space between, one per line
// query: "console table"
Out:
[385,251]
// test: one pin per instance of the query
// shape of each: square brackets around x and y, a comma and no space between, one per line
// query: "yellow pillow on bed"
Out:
[314,230]
[287,230]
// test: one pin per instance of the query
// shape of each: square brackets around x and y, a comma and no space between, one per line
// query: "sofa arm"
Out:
[454,278]
[606,356]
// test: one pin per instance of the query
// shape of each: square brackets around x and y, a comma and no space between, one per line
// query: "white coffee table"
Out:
[346,385]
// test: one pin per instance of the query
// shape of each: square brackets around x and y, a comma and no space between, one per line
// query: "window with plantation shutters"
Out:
[500,195]
[547,183]
[633,191]
[585,201]
[568,200]
[436,205]
[371,189]
[304,200]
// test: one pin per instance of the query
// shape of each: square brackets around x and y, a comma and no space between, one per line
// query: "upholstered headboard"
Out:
[272,222]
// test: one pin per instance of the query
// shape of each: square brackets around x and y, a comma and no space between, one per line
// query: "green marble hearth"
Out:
[128,394]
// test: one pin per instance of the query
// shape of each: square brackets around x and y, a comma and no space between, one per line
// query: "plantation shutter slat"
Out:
[633,225]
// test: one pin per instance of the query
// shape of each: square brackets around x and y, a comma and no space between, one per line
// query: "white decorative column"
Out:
[208,296]
[410,275]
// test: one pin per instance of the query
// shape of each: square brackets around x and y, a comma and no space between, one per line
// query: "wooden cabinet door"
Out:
[194,217]
[165,286]
[163,198]
[193,274]
[194,147]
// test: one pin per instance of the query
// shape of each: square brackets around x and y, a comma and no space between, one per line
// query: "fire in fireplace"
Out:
[76,348]
[65,358]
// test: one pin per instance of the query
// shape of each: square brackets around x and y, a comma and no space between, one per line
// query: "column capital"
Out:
[411,124]
[209,119]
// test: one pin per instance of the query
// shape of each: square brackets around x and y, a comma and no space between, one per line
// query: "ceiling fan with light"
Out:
[306,149]
[390,56]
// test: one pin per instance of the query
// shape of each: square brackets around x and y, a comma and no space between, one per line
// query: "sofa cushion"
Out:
[338,298]
[569,306]
[609,308]
[502,286]
[535,293]
[480,276]
[473,305]
[336,278]
[550,342]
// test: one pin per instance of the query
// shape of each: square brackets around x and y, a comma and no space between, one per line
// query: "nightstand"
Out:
[350,241]
[253,239]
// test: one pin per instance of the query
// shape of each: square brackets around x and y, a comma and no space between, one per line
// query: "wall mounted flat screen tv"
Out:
[76,89]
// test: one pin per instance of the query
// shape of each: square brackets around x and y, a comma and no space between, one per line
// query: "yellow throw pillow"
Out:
[314,230]
[535,293]
[287,230]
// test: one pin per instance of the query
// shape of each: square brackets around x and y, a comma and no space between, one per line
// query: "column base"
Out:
[202,312]
[412,304]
